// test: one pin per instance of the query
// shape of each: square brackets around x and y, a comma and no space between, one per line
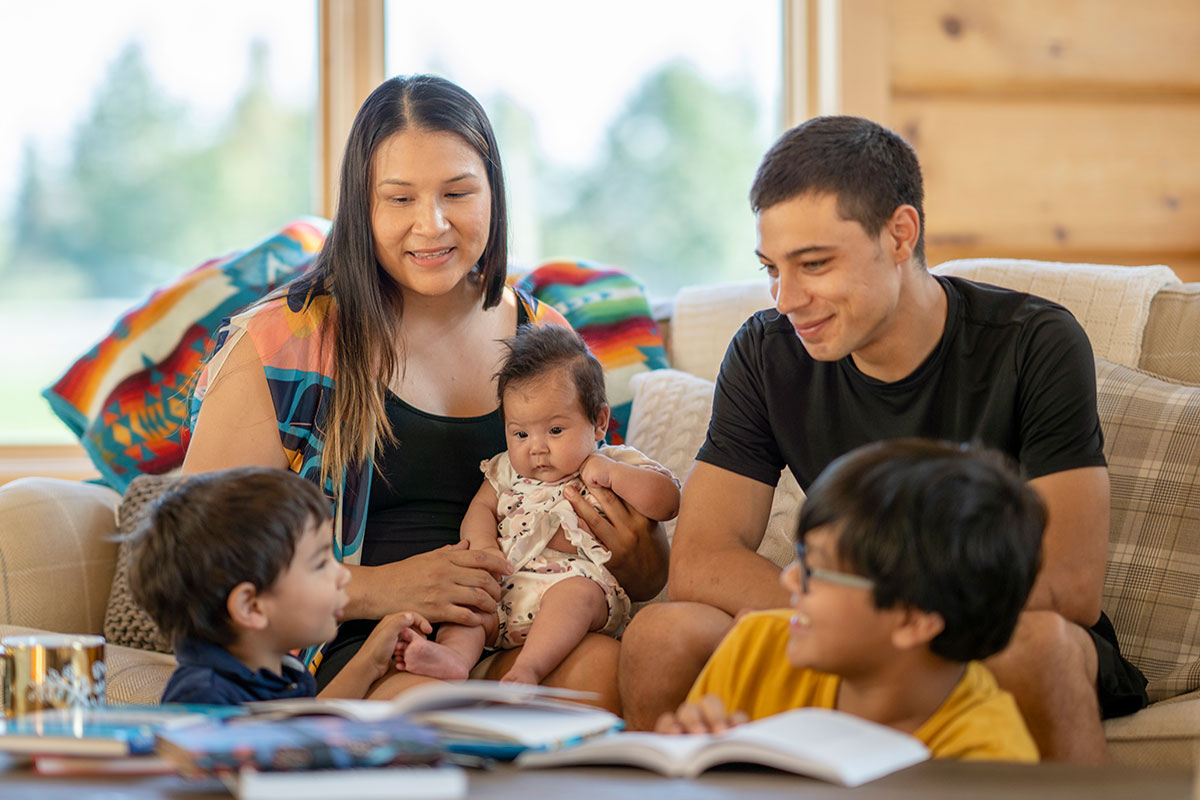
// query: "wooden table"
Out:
[934,779]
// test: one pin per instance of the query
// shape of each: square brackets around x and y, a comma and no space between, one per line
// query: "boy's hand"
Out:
[706,716]
[382,648]
[597,470]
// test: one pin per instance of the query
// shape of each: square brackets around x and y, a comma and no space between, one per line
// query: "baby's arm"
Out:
[481,520]
[648,491]
[376,657]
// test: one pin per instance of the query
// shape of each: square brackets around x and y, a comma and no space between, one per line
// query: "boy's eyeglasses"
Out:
[808,573]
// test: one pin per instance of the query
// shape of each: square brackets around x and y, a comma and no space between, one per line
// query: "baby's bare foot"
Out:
[520,673]
[424,657]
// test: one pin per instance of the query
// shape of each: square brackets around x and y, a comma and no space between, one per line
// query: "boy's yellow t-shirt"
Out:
[750,672]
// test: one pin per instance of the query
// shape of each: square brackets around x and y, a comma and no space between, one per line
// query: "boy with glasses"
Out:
[913,560]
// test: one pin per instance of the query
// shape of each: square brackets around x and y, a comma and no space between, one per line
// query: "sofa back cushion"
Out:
[1152,585]
[1169,344]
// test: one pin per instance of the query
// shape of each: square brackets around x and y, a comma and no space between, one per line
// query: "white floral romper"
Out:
[530,513]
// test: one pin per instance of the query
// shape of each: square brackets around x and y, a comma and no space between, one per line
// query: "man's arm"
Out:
[1075,544]
[722,519]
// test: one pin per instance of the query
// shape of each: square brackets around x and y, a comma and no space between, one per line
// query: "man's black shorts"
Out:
[1120,686]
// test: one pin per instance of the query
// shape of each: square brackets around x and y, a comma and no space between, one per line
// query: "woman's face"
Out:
[431,209]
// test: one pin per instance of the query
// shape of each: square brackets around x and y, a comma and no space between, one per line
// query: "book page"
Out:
[532,726]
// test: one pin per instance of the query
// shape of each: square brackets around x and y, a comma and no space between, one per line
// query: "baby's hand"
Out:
[706,716]
[597,470]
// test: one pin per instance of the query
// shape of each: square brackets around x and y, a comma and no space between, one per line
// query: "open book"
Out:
[819,742]
[474,711]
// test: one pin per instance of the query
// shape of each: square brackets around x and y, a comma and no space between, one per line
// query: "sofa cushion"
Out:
[1169,344]
[1152,584]
[1111,303]
[125,622]
[669,422]
[56,553]
[705,318]
[1166,734]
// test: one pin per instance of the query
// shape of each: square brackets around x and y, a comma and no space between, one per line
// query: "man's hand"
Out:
[637,543]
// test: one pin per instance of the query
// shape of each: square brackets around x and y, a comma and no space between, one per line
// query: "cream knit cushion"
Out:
[1111,303]
[668,423]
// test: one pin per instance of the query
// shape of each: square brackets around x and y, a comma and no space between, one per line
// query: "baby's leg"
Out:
[450,658]
[570,608]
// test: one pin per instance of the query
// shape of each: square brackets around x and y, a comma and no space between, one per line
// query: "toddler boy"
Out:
[236,567]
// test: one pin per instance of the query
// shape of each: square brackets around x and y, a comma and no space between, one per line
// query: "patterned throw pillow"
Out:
[126,398]
[610,311]
[125,622]
[1152,584]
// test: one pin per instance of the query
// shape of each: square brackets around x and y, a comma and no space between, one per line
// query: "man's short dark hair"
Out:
[212,532]
[870,169]
[538,349]
[945,528]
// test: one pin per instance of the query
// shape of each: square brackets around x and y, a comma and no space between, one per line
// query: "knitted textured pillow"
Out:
[125,622]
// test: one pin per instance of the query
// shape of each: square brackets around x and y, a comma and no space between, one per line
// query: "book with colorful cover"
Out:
[299,743]
[104,730]
[818,742]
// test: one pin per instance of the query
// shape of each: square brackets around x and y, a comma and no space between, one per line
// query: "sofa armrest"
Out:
[57,554]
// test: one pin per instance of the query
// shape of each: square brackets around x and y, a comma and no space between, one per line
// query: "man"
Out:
[865,344]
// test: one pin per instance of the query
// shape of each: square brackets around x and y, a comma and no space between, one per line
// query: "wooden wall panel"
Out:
[1105,46]
[1058,176]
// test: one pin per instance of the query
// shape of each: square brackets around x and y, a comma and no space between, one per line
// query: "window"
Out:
[140,138]
[629,130]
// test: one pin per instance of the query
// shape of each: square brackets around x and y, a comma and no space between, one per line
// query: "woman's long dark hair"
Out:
[366,302]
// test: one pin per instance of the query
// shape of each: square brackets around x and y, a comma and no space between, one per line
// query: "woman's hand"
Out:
[450,584]
[638,544]
[707,716]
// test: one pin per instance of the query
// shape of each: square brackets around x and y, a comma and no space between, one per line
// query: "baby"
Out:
[555,413]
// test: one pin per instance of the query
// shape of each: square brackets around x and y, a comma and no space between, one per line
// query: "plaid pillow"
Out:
[1152,585]
[126,398]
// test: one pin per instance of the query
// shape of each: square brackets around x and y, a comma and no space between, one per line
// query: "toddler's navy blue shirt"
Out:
[210,674]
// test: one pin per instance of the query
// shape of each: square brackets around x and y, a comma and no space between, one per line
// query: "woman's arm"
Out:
[236,426]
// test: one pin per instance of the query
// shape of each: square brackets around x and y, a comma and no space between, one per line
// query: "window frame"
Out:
[350,64]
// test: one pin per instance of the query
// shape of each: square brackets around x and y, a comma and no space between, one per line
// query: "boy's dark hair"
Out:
[945,528]
[212,532]
[537,349]
[870,169]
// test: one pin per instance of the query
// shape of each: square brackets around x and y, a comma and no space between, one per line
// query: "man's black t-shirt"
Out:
[1012,371]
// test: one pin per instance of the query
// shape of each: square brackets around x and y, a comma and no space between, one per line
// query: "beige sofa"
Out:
[57,557]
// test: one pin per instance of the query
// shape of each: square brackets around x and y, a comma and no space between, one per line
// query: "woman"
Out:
[373,376]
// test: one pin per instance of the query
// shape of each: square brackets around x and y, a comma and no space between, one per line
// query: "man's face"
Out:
[835,283]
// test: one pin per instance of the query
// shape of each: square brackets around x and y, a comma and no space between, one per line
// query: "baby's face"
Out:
[548,435]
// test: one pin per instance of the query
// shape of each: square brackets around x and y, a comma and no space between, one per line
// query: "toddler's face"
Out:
[548,435]
[304,605]
[836,627]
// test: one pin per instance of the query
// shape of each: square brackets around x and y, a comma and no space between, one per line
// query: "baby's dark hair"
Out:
[944,528]
[538,349]
[212,532]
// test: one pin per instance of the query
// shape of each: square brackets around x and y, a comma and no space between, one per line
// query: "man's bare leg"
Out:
[1050,667]
[662,652]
